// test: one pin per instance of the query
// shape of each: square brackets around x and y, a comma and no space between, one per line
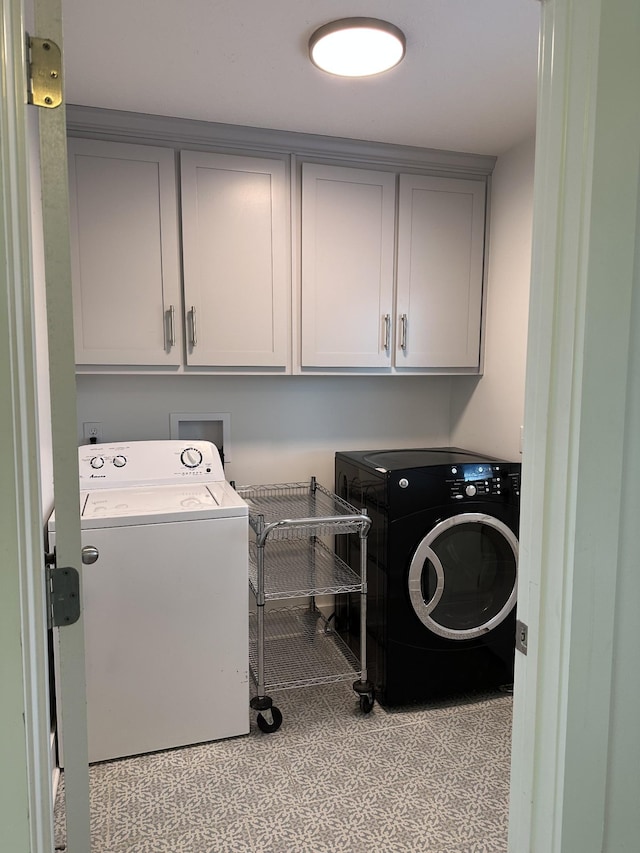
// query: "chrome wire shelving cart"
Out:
[290,558]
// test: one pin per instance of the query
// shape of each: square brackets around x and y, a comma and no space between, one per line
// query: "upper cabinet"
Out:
[362,306]
[348,224]
[236,260]
[124,253]
[440,272]
[182,256]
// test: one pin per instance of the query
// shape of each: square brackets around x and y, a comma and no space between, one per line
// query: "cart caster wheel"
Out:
[366,703]
[265,726]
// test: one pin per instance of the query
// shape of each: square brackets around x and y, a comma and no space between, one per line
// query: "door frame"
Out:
[25,800]
[70,681]
[588,52]
[571,783]
[27,789]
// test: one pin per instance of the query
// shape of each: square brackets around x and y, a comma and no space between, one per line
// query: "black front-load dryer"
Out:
[442,560]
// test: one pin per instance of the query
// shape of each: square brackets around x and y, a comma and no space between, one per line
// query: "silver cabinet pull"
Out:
[172,326]
[89,555]
[403,332]
[194,330]
[387,332]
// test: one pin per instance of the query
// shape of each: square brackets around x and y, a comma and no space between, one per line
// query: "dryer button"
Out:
[403,483]
[470,490]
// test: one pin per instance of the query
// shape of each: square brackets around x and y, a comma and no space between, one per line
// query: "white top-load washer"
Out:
[165,602]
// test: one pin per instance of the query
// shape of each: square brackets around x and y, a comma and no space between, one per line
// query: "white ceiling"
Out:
[467,83]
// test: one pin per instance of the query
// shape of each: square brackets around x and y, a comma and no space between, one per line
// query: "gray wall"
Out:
[486,413]
[283,428]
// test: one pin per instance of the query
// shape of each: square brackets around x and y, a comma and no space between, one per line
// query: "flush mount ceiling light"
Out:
[357,47]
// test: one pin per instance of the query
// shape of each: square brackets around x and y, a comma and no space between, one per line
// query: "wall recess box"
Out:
[204,426]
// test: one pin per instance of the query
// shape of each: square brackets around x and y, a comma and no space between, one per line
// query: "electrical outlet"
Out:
[92,433]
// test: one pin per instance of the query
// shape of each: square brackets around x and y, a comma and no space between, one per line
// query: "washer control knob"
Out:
[470,490]
[119,461]
[403,483]
[191,457]
[97,462]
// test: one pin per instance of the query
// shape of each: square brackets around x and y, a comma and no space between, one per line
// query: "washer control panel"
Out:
[139,463]
[191,457]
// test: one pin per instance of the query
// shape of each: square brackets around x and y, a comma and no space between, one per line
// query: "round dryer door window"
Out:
[463,576]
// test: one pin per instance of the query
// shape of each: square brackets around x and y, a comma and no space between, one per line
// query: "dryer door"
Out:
[463,576]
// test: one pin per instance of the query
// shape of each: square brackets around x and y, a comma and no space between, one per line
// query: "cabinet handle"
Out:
[194,331]
[172,326]
[387,332]
[403,332]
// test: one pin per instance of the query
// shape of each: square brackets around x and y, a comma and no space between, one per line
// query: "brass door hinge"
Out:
[44,73]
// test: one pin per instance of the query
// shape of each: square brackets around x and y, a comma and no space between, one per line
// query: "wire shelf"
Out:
[294,510]
[296,647]
[300,650]
[301,568]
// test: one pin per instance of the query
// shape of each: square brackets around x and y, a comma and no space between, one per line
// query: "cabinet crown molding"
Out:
[146,129]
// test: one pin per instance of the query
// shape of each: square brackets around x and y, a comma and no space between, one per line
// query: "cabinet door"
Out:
[124,251]
[347,266]
[440,272]
[235,259]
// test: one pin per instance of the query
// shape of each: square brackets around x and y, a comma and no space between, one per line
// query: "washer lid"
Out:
[158,505]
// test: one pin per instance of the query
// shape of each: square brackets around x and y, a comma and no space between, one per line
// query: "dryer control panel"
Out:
[402,482]
[471,480]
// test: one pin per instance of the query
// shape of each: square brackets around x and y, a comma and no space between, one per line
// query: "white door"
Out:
[25,813]
[440,272]
[57,264]
[236,260]
[125,253]
[348,222]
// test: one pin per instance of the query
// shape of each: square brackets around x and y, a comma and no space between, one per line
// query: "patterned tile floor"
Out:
[424,779]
